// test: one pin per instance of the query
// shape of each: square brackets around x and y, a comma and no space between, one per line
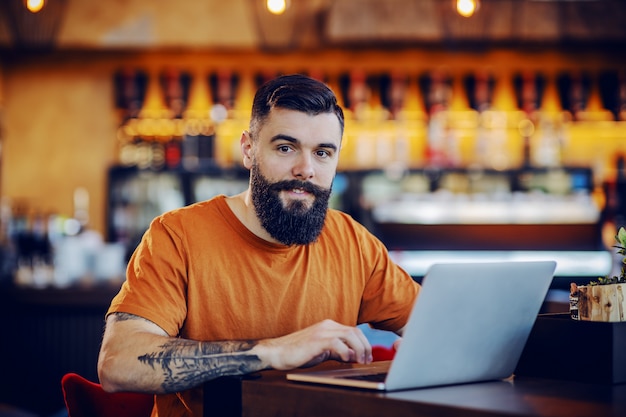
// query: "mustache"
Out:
[286,185]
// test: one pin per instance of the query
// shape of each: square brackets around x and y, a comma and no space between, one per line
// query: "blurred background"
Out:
[475,130]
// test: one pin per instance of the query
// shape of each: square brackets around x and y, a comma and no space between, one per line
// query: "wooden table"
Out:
[273,395]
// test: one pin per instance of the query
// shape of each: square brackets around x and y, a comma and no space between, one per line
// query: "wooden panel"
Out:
[391,20]
[435,21]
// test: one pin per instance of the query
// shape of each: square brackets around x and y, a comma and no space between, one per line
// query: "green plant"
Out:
[621,249]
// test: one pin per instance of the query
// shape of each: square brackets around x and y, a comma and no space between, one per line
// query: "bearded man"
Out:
[267,279]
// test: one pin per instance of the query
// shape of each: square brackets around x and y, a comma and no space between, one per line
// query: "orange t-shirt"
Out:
[200,274]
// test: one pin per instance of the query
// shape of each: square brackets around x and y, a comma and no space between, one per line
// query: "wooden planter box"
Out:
[562,348]
[600,303]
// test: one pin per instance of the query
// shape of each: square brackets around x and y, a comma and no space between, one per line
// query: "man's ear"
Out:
[246,149]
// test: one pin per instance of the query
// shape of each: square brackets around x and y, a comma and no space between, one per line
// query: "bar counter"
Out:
[273,395]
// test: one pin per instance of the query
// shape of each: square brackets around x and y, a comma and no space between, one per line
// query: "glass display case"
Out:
[136,196]
[449,215]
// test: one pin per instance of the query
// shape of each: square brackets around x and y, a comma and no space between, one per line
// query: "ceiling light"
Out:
[34,6]
[277,7]
[467,8]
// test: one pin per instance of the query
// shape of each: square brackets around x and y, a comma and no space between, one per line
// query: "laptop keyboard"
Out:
[380,377]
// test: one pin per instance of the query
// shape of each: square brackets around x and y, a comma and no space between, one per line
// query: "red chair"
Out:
[84,398]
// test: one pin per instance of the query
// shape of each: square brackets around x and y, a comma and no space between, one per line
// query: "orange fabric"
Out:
[200,274]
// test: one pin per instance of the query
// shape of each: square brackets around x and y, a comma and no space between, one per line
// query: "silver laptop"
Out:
[469,324]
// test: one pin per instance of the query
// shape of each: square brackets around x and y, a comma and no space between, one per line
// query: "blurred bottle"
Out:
[548,149]
[620,193]
[30,247]
[22,237]
[41,259]
[198,146]
[613,214]
[479,88]
[529,90]
[173,153]
[7,248]
[612,84]
[224,86]
[356,91]
[175,86]
[130,87]
[436,90]
[574,89]
[393,90]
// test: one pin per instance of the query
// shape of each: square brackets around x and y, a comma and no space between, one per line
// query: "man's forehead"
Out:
[302,126]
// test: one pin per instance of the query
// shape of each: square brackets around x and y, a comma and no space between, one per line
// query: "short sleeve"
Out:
[156,279]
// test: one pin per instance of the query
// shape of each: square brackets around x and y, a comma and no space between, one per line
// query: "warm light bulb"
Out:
[277,6]
[466,8]
[34,6]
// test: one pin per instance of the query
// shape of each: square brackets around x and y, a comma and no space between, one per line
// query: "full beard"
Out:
[293,223]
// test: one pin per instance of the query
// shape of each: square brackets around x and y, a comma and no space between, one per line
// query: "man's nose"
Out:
[303,169]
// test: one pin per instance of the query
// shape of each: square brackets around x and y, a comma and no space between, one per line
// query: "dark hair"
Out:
[293,92]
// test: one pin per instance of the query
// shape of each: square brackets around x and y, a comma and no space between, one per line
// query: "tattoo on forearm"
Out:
[187,363]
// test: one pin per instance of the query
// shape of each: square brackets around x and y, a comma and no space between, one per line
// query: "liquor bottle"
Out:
[612,85]
[436,89]
[130,91]
[173,153]
[7,247]
[175,86]
[393,89]
[574,90]
[224,86]
[620,192]
[198,147]
[529,88]
[479,87]
[355,88]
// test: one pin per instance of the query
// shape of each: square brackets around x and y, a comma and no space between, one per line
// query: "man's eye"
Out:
[323,153]
[284,148]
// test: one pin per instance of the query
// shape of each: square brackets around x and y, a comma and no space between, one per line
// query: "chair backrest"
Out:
[84,398]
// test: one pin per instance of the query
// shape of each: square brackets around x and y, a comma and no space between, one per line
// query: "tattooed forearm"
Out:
[187,363]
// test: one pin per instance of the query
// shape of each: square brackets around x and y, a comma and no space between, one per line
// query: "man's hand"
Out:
[315,344]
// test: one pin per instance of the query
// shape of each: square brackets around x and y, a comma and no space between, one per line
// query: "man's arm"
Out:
[137,355]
